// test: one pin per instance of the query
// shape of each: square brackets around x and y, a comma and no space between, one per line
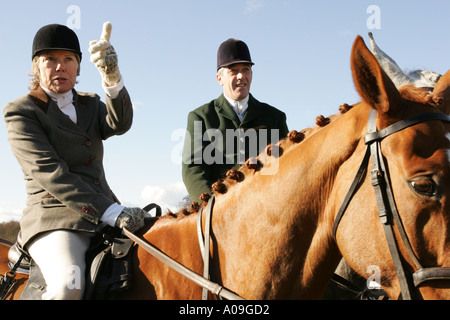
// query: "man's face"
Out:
[236,80]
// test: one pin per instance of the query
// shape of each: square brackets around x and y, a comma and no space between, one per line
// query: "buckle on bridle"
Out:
[377,178]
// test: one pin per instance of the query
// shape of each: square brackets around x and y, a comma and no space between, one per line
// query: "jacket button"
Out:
[89,164]
[87,210]
[97,182]
[126,100]
[88,143]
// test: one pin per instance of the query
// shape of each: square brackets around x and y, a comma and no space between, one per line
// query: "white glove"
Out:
[132,219]
[104,57]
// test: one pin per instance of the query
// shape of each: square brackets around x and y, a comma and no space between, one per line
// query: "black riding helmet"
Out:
[55,37]
[231,52]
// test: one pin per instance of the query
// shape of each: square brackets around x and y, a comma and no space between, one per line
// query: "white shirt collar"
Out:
[61,99]
[64,102]
[240,107]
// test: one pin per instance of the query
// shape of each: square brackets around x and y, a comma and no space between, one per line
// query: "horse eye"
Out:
[423,186]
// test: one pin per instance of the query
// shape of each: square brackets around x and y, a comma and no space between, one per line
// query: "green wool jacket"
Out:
[62,161]
[216,140]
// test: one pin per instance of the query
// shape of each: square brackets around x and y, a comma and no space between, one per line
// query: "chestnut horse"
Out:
[272,224]
[4,269]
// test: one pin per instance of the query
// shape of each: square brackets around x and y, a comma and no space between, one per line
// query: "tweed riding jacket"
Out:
[62,161]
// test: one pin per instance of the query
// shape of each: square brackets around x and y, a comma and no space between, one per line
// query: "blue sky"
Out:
[167,56]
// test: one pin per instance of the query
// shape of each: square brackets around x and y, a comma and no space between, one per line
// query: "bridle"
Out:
[387,210]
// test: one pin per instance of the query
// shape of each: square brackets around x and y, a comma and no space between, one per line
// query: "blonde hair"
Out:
[35,76]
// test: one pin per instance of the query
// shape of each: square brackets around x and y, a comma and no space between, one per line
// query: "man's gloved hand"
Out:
[131,218]
[104,57]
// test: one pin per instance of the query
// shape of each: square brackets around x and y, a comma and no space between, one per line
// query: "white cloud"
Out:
[137,104]
[169,197]
[253,5]
[10,214]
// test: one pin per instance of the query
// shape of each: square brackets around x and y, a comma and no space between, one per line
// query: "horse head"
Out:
[417,163]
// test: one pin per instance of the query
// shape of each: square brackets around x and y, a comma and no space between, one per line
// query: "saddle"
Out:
[108,264]
[107,267]
[108,261]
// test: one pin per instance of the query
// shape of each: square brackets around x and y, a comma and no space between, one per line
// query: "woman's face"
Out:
[58,70]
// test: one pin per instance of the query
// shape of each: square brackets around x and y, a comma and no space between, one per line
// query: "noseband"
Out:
[387,210]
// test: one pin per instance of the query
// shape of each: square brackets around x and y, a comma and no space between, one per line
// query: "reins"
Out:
[181,269]
[202,281]
[387,209]
[204,241]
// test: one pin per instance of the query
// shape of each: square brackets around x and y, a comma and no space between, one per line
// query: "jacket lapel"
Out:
[84,112]
[223,108]
[42,100]
[252,111]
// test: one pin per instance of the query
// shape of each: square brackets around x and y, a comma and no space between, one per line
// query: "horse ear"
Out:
[372,83]
[441,93]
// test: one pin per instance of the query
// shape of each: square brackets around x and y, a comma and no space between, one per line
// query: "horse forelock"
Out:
[416,94]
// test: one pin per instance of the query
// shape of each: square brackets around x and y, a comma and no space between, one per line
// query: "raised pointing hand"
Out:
[104,56]
[106,32]
[102,44]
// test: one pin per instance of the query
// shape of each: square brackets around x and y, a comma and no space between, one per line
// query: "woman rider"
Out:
[56,134]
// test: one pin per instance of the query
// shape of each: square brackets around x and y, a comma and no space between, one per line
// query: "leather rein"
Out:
[202,281]
[387,209]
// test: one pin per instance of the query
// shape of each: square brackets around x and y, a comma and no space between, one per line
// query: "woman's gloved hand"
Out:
[132,219]
[104,56]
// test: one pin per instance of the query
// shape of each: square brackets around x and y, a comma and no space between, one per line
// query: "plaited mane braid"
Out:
[219,187]
[204,197]
[254,164]
[343,108]
[185,212]
[321,121]
[194,206]
[296,136]
[236,175]
[274,150]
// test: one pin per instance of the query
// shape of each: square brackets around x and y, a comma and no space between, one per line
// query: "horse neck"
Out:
[277,247]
